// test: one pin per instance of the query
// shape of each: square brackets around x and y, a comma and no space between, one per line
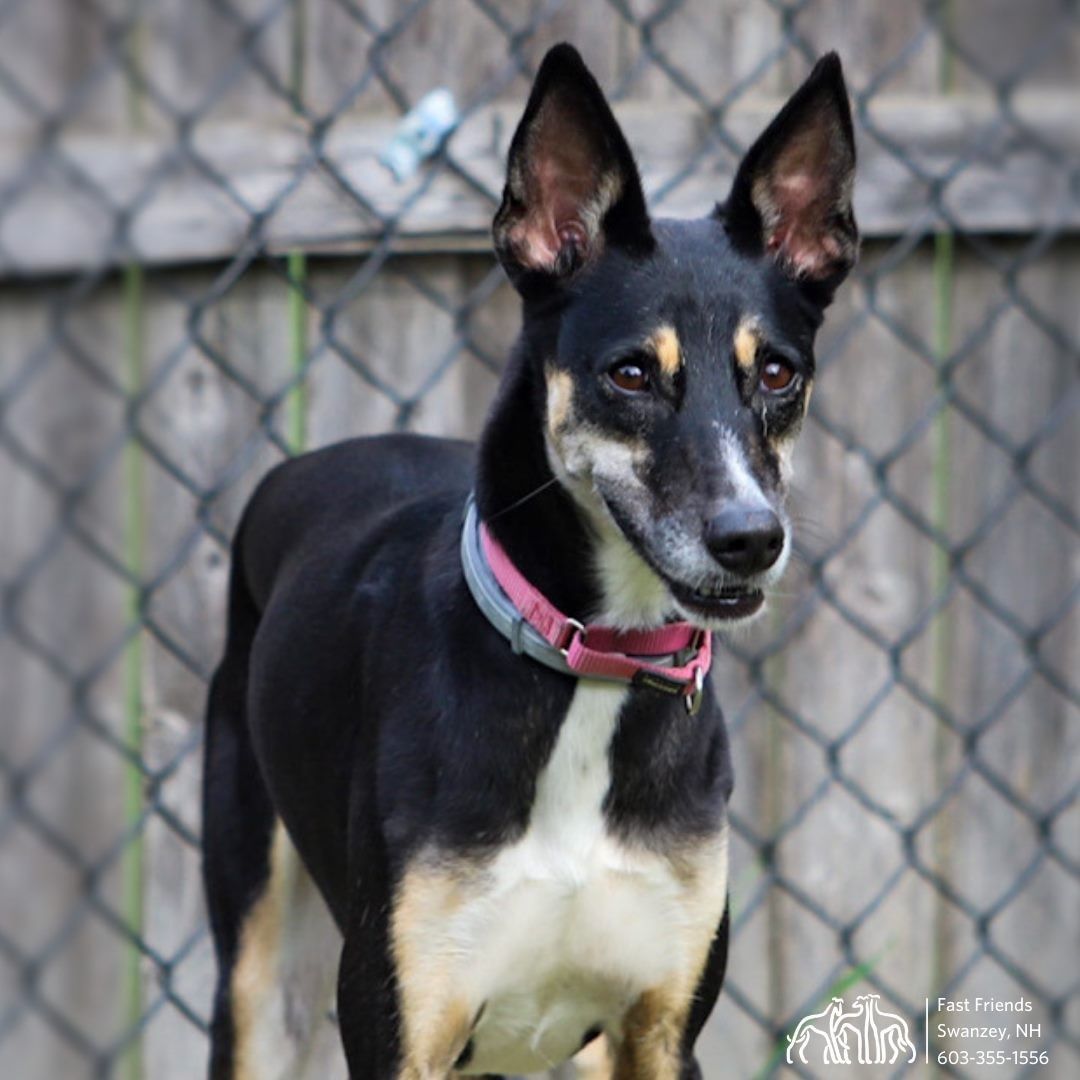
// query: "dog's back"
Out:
[342,496]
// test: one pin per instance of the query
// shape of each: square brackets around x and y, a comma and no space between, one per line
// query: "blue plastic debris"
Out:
[420,132]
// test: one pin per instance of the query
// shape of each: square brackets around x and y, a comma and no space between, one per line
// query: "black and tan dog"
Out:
[502,850]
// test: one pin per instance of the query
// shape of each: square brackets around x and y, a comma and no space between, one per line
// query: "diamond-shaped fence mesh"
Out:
[204,267]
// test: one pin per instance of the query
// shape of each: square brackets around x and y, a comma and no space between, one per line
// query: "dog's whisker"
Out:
[808,527]
[783,594]
[524,498]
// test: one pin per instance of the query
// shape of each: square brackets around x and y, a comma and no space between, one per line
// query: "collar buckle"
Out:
[572,630]
[692,700]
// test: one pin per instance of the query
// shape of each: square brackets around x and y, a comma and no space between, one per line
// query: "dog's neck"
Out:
[543,534]
[587,570]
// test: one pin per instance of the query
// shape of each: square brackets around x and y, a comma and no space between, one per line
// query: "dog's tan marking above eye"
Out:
[665,343]
[747,340]
[560,396]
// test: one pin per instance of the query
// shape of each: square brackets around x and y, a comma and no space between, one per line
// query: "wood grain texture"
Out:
[416,340]
[204,424]
[340,198]
[62,685]
[381,345]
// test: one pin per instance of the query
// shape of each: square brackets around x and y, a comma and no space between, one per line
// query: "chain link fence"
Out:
[204,267]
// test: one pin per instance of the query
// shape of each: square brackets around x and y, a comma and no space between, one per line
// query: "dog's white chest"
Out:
[572,924]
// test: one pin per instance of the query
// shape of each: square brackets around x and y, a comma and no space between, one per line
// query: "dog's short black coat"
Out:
[365,704]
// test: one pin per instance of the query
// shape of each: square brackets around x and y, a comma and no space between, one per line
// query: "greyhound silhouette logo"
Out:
[880,1037]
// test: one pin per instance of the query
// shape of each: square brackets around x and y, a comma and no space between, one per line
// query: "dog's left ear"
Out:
[792,193]
[571,186]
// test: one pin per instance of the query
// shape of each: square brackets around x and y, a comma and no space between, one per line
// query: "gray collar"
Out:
[496,605]
[500,611]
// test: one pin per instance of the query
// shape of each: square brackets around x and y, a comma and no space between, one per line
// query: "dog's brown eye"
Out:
[776,375]
[632,378]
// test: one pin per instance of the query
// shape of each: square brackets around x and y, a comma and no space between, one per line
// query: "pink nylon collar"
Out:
[602,651]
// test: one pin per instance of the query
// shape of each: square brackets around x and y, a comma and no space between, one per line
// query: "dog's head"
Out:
[677,356]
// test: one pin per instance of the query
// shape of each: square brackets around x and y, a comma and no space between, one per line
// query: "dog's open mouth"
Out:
[730,602]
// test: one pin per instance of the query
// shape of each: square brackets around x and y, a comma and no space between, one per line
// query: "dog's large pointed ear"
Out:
[572,186]
[792,193]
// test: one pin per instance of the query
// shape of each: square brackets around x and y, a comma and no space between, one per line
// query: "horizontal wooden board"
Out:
[96,199]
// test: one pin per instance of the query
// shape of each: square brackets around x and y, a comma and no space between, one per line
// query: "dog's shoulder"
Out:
[335,505]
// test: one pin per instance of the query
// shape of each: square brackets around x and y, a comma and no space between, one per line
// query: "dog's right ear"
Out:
[572,186]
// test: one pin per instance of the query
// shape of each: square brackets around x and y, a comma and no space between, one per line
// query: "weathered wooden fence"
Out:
[203,267]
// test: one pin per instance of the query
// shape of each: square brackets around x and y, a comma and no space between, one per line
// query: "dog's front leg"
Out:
[436,1019]
[400,1014]
[423,1044]
[651,1046]
[367,1011]
[660,1029]
[436,1035]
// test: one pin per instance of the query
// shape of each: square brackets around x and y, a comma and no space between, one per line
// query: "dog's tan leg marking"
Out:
[747,340]
[665,343]
[651,1044]
[594,1062]
[252,983]
[283,982]
[435,1019]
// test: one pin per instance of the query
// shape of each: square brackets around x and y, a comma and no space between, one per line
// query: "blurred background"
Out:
[205,267]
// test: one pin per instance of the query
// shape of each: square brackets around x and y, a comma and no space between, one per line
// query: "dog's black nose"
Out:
[745,541]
